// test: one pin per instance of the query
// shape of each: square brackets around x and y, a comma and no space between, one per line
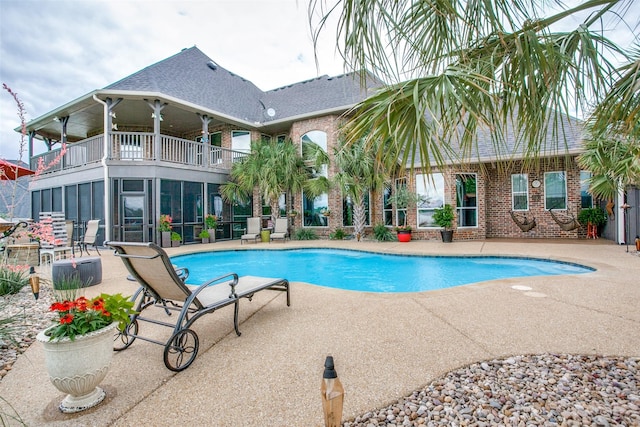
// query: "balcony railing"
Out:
[138,146]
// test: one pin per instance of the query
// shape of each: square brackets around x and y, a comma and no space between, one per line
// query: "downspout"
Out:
[620,217]
[105,169]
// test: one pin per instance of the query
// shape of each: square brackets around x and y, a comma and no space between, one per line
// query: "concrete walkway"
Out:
[385,345]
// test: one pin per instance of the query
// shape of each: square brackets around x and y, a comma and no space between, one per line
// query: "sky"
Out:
[52,52]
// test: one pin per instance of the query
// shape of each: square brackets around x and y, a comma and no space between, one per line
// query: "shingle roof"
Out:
[193,77]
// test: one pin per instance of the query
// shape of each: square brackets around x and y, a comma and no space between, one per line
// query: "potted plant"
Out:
[404,233]
[175,239]
[443,217]
[164,227]
[592,218]
[403,199]
[211,223]
[204,235]
[79,346]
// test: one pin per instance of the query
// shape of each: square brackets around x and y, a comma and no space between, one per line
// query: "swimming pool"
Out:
[367,271]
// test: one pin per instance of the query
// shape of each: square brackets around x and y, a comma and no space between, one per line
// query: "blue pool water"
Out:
[367,271]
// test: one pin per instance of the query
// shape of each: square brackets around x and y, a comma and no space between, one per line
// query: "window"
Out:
[555,190]
[401,213]
[431,188]
[215,139]
[313,209]
[519,192]
[241,141]
[265,138]
[466,200]
[347,211]
[586,199]
[387,207]
[281,138]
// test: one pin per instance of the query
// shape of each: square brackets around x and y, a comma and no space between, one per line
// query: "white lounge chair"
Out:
[281,230]
[253,230]
[163,287]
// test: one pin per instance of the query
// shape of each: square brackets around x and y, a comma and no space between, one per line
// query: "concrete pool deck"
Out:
[385,346]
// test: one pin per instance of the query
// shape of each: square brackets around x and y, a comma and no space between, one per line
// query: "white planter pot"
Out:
[77,367]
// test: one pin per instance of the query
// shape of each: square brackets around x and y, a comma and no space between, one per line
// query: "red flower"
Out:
[67,318]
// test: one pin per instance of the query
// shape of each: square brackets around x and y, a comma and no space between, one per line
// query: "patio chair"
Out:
[90,237]
[253,230]
[281,230]
[162,287]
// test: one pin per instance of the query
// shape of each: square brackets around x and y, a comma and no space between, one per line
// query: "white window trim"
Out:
[476,208]
[513,193]
[566,194]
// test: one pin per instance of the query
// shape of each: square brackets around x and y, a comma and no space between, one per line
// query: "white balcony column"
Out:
[157,107]
[109,126]
[205,140]
[63,133]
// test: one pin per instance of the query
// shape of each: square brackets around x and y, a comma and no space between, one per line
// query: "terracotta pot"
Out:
[77,367]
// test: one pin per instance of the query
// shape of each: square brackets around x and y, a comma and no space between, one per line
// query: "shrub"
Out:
[204,234]
[305,234]
[595,216]
[444,216]
[13,278]
[338,234]
[175,236]
[382,233]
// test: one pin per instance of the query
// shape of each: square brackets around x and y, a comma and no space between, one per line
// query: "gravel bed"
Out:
[529,390]
[31,316]
[532,390]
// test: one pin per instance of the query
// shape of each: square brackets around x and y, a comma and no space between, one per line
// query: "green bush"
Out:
[382,233]
[12,279]
[444,216]
[338,234]
[595,216]
[305,234]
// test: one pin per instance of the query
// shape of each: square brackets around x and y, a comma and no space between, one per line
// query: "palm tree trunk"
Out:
[359,219]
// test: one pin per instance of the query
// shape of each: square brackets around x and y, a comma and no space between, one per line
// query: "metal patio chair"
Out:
[162,286]
[90,237]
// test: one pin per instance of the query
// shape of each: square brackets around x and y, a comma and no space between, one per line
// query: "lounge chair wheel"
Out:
[124,339]
[181,350]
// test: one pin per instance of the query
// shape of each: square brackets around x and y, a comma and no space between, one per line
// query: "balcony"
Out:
[138,146]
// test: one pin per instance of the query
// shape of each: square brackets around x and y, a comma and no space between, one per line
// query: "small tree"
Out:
[404,199]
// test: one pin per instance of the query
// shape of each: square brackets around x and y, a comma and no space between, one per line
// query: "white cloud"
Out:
[54,52]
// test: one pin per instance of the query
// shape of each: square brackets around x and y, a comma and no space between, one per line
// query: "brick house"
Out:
[162,141]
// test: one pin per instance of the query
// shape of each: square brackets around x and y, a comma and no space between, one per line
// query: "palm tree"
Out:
[613,149]
[358,173]
[457,67]
[614,163]
[273,168]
